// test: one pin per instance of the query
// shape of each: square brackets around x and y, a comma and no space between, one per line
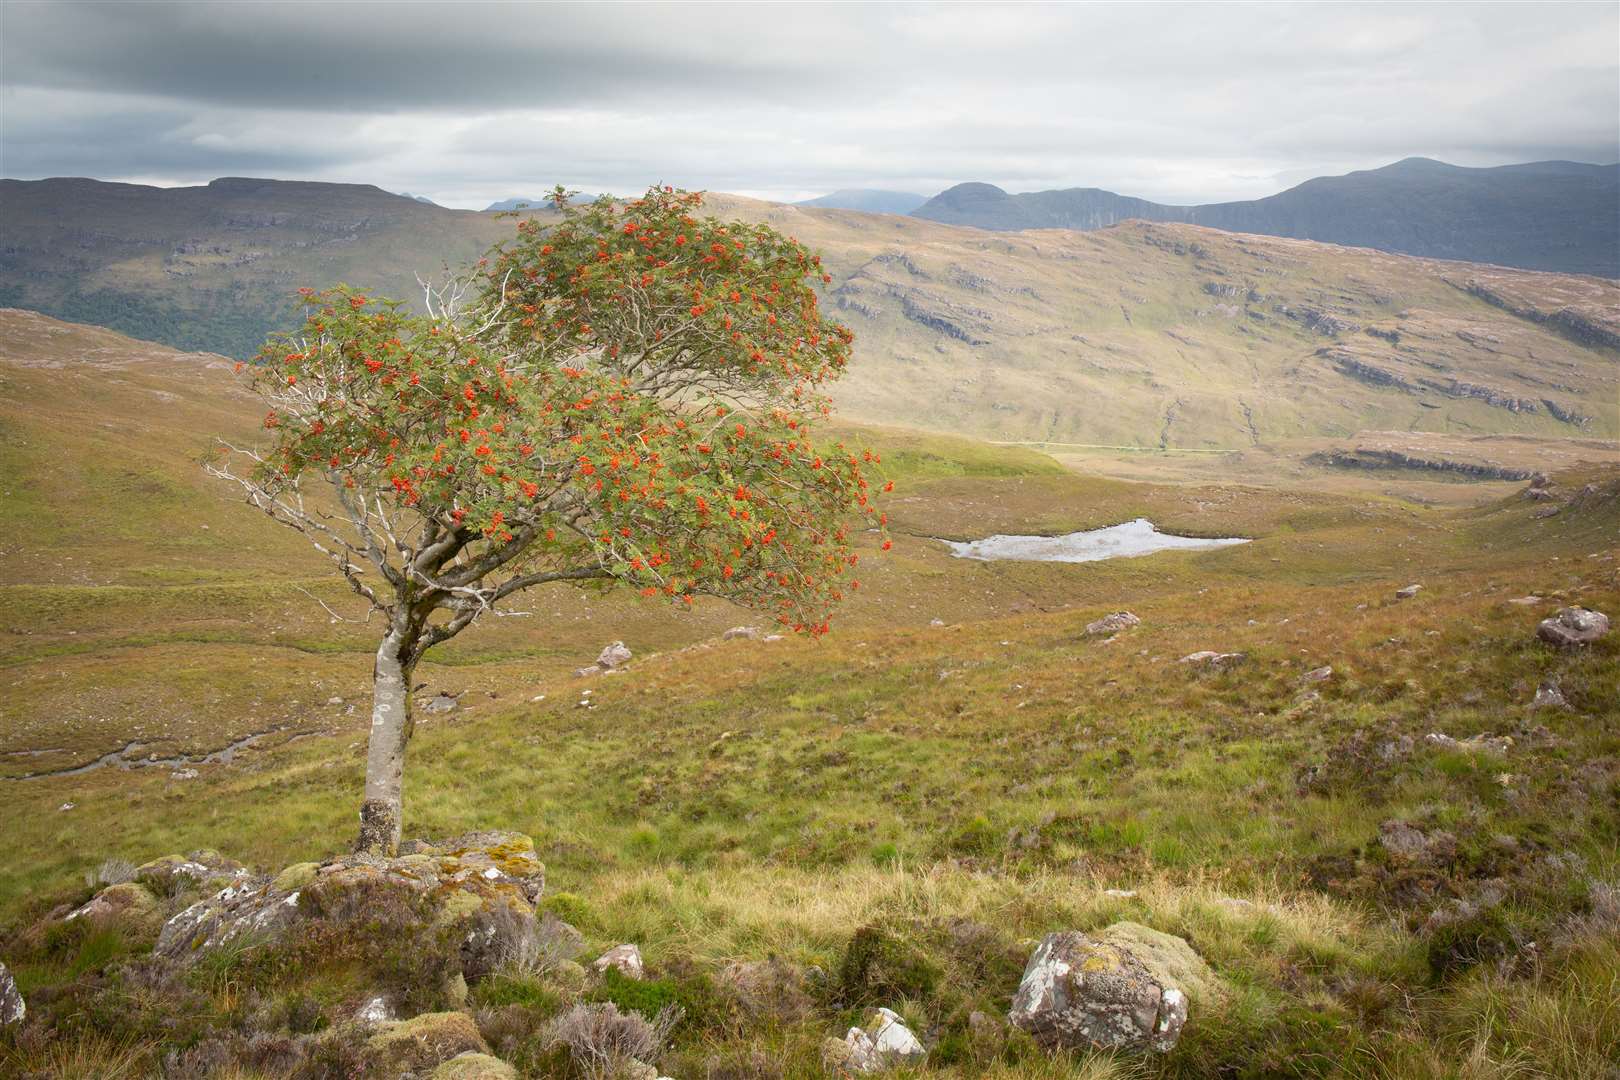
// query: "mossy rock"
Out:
[422,1042]
[459,904]
[419,863]
[472,1066]
[130,907]
[295,877]
[1169,958]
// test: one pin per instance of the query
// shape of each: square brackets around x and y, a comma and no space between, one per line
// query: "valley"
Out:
[960,764]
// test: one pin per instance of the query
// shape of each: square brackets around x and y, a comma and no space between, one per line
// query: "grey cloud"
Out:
[468,102]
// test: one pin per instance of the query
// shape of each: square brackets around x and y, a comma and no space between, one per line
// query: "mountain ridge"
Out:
[1560,216]
[870,200]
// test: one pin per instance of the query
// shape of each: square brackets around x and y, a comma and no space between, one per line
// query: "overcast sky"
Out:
[468,103]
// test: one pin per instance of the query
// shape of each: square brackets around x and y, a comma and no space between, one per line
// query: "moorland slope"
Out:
[960,768]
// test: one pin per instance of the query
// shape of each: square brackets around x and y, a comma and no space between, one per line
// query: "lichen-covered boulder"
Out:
[1573,627]
[422,1043]
[1125,989]
[295,877]
[497,857]
[473,1066]
[12,1006]
[248,909]
[1171,960]
[129,906]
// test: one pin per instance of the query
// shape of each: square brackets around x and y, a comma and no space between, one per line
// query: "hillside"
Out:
[1546,215]
[215,267]
[1200,339]
[1390,852]
[1196,339]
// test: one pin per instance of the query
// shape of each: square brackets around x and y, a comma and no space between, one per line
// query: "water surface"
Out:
[1133,538]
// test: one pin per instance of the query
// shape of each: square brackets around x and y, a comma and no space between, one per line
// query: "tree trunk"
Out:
[385,754]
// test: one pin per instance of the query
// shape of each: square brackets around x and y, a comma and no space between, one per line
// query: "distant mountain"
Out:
[418,198]
[870,200]
[216,267]
[538,202]
[1546,215]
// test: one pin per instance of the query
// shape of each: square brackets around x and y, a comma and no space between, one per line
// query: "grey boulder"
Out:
[1127,988]
[1573,627]
[12,1006]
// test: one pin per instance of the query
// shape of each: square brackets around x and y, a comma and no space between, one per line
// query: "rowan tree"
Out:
[622,393]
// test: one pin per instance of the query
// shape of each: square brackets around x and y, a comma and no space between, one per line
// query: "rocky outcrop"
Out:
[883,1043]
[12,1006]
[1566,321]
[1573,627]
[130,906]
[1349,365]
[1368,458]
[483,885]
[937,321]
[172,874]
[1112,624]
[1500,399]
[1318,321]
[1127,988]
[1568,416]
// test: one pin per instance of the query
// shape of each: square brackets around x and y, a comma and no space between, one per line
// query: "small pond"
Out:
[1137,537]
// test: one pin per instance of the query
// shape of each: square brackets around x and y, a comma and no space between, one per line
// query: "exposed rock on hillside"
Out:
[12,1007]
[884,1042]
[485,884]
[1112,624]
[1126,989]
[1573,627]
